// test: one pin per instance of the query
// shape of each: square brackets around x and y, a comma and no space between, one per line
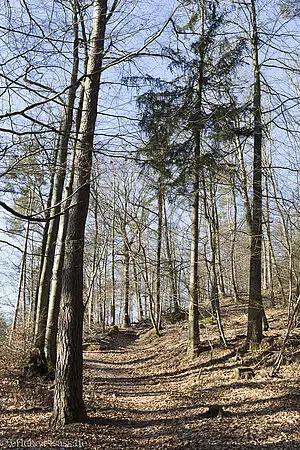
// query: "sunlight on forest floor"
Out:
[144,393]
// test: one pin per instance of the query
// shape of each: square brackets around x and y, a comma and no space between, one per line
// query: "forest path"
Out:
[144,390]
[145,394]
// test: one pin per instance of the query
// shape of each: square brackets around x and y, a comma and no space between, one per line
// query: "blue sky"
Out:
[134,22]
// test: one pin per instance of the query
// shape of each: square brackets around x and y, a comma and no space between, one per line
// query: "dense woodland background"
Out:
[149,158]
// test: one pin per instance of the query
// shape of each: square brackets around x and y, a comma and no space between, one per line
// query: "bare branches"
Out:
[33,217]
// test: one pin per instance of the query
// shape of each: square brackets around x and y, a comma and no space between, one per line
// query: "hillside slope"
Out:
[143,393]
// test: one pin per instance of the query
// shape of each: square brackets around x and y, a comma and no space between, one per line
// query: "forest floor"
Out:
[143,393]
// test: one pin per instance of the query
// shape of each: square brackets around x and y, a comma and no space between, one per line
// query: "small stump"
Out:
[215,412]
[244,373]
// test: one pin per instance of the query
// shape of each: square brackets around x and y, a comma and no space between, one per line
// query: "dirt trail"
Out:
[152,397]
[144,393]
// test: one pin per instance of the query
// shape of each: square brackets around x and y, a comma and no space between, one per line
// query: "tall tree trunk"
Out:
[213,231]
[126,321]
[137,288]
[216,229]
[158,251]
[56,281]
[68,401]
[193,318]
[55,297]
[52,232]
[271,248]
[233,230]
[148,287]
[104,296]
[45,233]
[172,272]
[91,291]
[21,286]
[255,311]
[33,282]
[113,252]
[22,279]
[50,348]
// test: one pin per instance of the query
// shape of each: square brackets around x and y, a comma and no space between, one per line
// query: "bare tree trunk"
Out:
[193,322]
[269,279]
[216,227]
[21,285]
[255,311]
[148,287]
[290,252]
[232,248]
[68,401]
[104,271]
[172,272]
[213,229]
[126,321]
[137,291]
[45,234]
[55,297]
[158,252]
[33,282]
[113,277]
[193,318]
[56,281]
[50,348]
[91,294]
[22,279]
[52,232]
[264,265]
[283,221]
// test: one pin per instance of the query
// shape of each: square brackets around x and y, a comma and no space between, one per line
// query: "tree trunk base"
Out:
[61,419]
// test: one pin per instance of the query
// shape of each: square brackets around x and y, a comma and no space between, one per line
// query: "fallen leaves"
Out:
[145,394]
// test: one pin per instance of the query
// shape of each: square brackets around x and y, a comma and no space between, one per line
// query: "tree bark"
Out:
[68,400]
[137,288]
[22,278]
[193,318]
[158,251]
[174,288]
[255,311]
[126,321]
[56,281]
[113,252]
[233,229]
[52,232]
[45,235]
[213,231]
